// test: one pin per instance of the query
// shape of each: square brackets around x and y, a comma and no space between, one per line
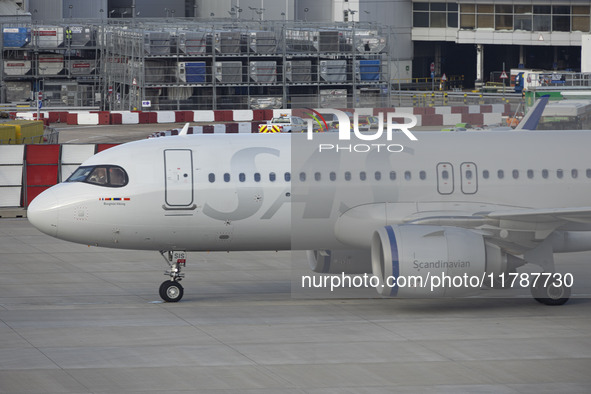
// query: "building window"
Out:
[485,16]
[542,22]
[467,16]
[560,22]
[581,17]
[438,16]
[420,15]
[522,22]
[452,15]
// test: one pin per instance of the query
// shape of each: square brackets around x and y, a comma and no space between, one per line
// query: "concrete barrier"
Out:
[88,119]
[243,115]
[203,116]
[452,119]
[130,117]
[244,127]
[492,118]
[165,116]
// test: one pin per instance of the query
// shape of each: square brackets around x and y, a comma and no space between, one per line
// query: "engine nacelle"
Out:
[428,261]
[339,261]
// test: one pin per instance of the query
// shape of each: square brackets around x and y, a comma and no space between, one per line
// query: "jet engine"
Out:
[433,261]
[338,261]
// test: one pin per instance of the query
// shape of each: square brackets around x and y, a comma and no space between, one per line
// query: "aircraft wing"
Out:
[577,215]
[516,230]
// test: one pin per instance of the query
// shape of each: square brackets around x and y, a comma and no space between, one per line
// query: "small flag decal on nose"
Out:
[115,199]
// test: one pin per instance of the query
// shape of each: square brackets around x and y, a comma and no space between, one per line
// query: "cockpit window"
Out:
[109,176]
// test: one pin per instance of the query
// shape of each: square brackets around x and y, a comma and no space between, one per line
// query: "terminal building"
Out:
[244,53]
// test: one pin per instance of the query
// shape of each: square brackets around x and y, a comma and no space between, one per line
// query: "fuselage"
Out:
[282,191]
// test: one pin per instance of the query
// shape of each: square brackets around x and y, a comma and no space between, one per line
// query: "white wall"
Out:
[586,53]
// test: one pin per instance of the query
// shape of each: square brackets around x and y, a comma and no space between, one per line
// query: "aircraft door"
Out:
[469,178]
[445,178]
[178,165]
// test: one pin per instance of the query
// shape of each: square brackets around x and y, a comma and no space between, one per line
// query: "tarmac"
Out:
[77,319]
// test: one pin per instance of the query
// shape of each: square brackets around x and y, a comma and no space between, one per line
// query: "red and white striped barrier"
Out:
[426,116]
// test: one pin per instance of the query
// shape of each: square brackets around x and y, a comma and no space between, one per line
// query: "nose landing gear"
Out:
[171,290]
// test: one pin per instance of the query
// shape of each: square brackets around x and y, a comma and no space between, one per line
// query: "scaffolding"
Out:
[183,64]
[62,61]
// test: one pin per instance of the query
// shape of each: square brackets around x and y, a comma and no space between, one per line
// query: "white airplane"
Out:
[479,204]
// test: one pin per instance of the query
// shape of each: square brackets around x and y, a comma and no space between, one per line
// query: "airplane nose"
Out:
[43,211]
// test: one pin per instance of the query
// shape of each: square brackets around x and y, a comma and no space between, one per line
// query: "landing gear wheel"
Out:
[171,291]
[550,294]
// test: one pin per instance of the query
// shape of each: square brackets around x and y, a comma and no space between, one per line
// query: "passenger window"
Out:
[468,174]
[303,176]
[226,177]
[272,176]
[257,177]
[501,174]
[445,174]
[545,174]
[378,175]
[559,174]
[485,174]
[407,175]
[515,174]
[317,176]
[588,172]
[347,176]
[574,173]
[423,175]
[211,178]
[287,177]
[530,174]
[392,175]
[333,176]
[362,175]
[242,177]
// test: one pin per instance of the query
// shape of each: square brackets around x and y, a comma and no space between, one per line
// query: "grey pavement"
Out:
[78,319]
